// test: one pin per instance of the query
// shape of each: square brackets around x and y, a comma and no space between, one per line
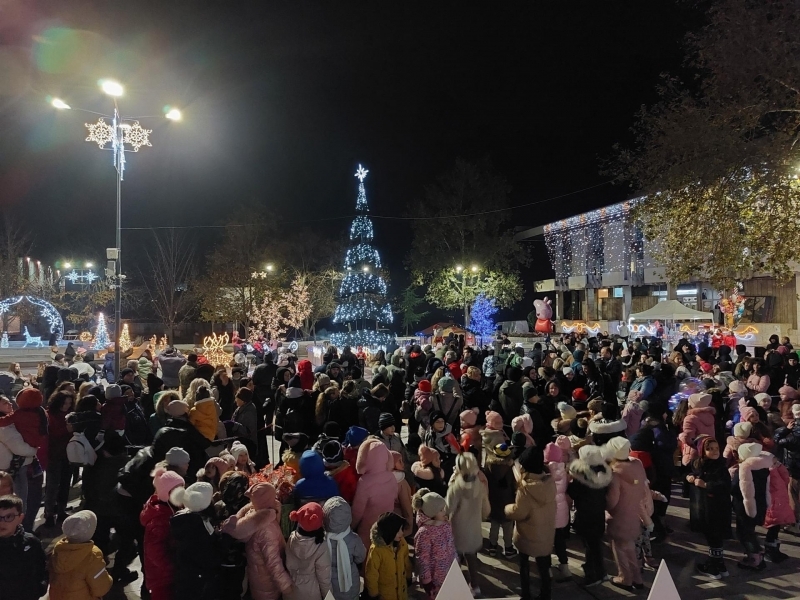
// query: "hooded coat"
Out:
[467,506]
[203,415]
[388,568]
[588,490]
[376,491]
[558,470]
[316,485]
[710,507]
[434,550]
[338,517]
[788,440]
[502,488]
[78,572]
[698,421]
[159,549]
[198,557]
[309,565]
[534,513]
[780,510]
[624,499]
[750,488]
[265,550]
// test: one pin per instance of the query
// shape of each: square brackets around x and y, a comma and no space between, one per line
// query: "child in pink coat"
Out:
[780,511]
[434,546]
[554,458]
[471,433]
[376,491]
[699,421]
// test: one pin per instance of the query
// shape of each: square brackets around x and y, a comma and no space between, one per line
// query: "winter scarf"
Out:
[342,558]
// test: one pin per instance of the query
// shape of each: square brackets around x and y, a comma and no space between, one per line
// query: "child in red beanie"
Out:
[307,557]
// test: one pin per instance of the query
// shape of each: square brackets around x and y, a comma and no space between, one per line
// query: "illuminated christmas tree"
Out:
[362,295]
[101,339]
[481,322]
[125,343]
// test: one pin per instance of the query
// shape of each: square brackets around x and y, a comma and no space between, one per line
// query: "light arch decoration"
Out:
[47,311]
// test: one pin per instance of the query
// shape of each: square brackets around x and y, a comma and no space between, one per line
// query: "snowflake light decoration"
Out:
[101,132]
[135,135]
[361,173]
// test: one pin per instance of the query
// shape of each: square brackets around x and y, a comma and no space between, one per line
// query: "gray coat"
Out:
[247,416]
[467,506]
[337,518]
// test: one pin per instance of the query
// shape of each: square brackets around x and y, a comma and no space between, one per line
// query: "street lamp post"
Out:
[464,280]
[119,133]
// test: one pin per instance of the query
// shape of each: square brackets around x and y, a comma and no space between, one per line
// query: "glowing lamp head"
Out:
[459,268]
[270,267]
[67,265]
[174,114]
[59,104]
[366,269]
[89,265]
[474,268]
[111,87]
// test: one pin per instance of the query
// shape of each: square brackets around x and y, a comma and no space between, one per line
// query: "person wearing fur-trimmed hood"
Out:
[591,476]
[750,491]
[346,549]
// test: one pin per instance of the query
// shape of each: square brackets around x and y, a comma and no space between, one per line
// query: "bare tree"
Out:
[170,280]
[15,243]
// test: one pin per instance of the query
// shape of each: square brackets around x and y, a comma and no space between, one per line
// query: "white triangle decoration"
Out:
[329,596]
[454,586]
[663,585]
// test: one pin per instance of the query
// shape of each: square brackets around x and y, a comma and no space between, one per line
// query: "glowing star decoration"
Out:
[136,136]
[125,339]
[100,133]
[214,349]
[361,173]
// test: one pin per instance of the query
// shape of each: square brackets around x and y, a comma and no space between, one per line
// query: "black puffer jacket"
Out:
[24,572]
[788,440]
[135,476]
[182,434]
[476,397]
[198,557]
[369,411]
[588,492]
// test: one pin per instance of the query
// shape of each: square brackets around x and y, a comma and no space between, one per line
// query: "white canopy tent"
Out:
[672,310]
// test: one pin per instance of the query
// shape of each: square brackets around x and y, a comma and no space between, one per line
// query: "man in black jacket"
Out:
[24,572]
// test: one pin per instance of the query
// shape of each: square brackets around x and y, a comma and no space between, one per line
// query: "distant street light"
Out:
[119,134]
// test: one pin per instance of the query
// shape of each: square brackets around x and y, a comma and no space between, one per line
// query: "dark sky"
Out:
[282,100]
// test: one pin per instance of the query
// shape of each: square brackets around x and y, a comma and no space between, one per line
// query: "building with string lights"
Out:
[604,270]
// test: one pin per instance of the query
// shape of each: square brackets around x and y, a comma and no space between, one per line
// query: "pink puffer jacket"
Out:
[559,473]
[624,500]
[265,549]
[377,489]
[698,421]
[780,509]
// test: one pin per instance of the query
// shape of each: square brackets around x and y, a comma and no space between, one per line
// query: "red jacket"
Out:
[159,560]
[57,434]
[346,478]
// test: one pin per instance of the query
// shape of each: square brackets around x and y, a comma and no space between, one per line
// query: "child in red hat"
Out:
[307,557]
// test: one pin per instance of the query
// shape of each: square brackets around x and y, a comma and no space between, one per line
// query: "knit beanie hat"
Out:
[430,503]
[428,456]
[764,400]
[796,411]
[29,398]
[385,420]
[748,413]
[323,381]
[567,411]
[399,463]
[331,429]
[595,406]
[579,395]
[468,418]
[262,495]
[165,481]
[80,527]
[552,453]
[220,464]
[467,464]
[563,442]
[309,517]
[447,384]
[742,430]
[532,460]
[592,455]
[737,388]
[197,497]
[423,386]
[177,457]
[494,420]
[748,450]
[113,391]
[699,400]
[297,442]
[294,389]
[618,448]
[355,436]
[332,454]
[522,423]
[177,408]
[237,449]
[388,525]
[786,390]
[578,427]
[700,443]
[502,450]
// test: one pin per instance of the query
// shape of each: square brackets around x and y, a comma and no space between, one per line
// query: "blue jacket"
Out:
[316,485]
[646,385]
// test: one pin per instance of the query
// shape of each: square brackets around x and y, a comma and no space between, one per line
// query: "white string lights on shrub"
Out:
[595,242]
[362,293]
[46,310]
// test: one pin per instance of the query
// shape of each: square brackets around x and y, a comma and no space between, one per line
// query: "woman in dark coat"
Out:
[224,386]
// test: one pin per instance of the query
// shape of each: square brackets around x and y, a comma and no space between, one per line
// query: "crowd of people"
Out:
[583,435]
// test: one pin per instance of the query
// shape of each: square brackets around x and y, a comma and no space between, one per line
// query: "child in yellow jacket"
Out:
[203,415]
[77,568]
[388,569]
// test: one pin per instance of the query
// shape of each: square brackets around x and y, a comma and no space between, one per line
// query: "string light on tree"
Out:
[362,293]
[481,322]
[214,349]
[101,339]
[125,343]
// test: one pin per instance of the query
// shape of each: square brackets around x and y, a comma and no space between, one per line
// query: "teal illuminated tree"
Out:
[481,322]
[362,304]
[101,339]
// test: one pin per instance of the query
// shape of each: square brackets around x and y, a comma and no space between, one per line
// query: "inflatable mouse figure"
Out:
[544,314]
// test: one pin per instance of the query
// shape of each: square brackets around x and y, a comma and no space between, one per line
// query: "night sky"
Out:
[282,100]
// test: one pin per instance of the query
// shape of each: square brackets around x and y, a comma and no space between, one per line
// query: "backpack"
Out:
[80,451]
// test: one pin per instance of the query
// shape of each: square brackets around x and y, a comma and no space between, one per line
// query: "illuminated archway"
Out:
[47,311]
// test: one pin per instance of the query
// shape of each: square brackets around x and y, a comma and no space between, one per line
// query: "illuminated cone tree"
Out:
[362,302]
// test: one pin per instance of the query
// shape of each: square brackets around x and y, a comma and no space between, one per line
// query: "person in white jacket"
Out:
[11,445]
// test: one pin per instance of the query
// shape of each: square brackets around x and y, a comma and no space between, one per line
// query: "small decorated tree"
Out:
[101,339]
[481,322]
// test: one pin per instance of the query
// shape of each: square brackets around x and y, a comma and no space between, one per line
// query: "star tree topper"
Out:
[361,173]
